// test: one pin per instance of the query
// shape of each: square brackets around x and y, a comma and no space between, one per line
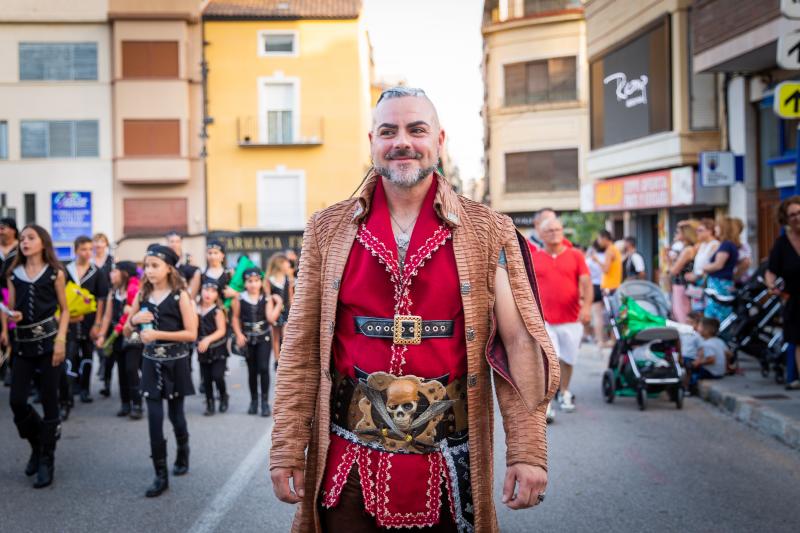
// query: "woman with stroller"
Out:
[784,262]
[682,266]
[720,268]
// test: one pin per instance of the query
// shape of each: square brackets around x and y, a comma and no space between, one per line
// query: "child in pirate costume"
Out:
[83,332]
[9,240]
[127,354]
[253,314]
[167,323]
[190,273]
[36,289]
[211,348]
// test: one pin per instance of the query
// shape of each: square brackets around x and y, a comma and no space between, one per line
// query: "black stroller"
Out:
[754,326]
[649,362]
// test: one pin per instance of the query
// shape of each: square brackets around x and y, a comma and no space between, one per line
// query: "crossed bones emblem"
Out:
[390,410]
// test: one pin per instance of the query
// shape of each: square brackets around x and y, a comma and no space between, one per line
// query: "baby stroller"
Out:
[643,362]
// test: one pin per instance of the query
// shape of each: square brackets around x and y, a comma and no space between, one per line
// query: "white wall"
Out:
[56,100]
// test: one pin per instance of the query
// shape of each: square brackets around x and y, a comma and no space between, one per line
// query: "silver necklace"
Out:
[403,239]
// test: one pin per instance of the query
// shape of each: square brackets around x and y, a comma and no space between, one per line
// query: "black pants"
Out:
[155,418]
[132,355]
[80,353]
[213,373]
[258,368]
[22,374]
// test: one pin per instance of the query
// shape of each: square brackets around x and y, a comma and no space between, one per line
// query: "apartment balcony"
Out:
[152,170]
[279,129]
[499,11]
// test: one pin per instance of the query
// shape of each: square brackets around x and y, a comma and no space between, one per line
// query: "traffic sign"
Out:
[789,51]
[787,99]
[790,8]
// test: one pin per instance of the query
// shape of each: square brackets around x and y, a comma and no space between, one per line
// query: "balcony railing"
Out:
[535,7]
[279,128]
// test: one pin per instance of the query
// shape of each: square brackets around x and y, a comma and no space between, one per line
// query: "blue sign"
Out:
[71,215]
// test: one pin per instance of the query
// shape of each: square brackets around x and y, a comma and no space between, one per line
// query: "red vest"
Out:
[398,489]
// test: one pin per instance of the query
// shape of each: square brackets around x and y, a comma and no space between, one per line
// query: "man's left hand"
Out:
[585,315]
[530,481]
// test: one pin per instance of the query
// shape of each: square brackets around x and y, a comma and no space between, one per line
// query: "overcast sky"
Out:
[436,45]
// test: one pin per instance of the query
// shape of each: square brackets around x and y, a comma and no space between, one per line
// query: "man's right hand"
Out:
[280,484]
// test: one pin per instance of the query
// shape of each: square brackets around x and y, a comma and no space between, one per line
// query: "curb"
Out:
[754,414]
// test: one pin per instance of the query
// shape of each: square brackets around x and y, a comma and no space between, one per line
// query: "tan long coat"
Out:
[523,385]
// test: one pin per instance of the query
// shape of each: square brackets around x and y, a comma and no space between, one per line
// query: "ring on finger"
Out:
[540,498]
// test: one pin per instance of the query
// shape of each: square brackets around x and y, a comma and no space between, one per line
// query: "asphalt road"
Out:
[612,468]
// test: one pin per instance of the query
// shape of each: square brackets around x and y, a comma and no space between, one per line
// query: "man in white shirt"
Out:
[633,265]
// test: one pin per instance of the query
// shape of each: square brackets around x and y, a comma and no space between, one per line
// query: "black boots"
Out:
[30,428]
[181,465]
[265,408]
[223,403]
[136,411]
[210,407]
[85,398]
[158,452]
[253,410]
[47,437]
[124,410]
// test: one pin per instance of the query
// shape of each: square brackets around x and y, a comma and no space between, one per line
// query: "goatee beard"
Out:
[405,179]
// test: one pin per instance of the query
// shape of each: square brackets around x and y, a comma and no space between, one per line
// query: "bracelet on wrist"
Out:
[60,340]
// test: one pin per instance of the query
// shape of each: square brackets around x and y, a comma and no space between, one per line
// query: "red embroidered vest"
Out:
[400,490]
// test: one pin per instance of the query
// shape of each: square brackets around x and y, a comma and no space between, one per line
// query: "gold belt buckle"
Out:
[407,329]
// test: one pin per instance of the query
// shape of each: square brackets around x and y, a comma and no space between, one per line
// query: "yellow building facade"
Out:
[288,111]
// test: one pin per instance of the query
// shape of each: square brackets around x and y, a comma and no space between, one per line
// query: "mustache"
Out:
[403,154]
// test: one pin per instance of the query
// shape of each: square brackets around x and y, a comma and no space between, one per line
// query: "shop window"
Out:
[533,82]
[150,59]
[542,171]
[777,144]
[59,138]
[58,61]
[154,216]
[152,137]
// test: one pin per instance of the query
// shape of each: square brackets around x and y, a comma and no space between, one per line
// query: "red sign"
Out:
[641,191]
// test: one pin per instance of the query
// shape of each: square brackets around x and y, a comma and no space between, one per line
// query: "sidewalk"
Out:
[757,401]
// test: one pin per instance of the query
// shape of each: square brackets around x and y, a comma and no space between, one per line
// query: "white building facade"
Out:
[55,118]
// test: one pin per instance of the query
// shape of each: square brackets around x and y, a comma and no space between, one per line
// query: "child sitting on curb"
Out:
[712,355]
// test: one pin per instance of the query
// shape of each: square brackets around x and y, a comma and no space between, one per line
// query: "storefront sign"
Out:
[258,245]
[633,192]
[71,215]
[630,88]
[790,9]
[789,50]
[720,169]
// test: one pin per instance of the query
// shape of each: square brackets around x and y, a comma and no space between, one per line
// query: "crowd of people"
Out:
[705,253]
[150,318]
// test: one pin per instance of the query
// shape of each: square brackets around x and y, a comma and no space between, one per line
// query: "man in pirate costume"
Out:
[83,332]
[409,299]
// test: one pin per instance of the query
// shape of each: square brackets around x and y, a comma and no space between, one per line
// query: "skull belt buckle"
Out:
[160,351]
[407,329]
[37,331]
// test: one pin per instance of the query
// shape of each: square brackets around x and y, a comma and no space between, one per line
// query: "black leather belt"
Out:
[36,332]
[168,351]
[404,329]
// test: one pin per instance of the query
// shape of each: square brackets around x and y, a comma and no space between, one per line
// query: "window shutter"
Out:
[30,62]
[57,60]
[515,84]
[61,137]
[33,139]
[85,61]
[537,82]
[87,138]
[562,73]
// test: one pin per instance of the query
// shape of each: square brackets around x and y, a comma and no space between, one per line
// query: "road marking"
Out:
[221,504]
